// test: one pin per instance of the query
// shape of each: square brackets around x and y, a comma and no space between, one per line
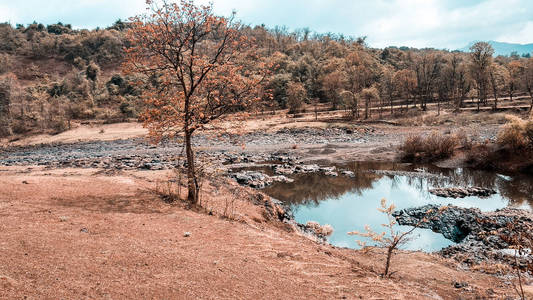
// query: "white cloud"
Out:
[523,35]
[420,23]
[6,13]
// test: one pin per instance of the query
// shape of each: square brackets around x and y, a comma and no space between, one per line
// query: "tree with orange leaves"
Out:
[198,65]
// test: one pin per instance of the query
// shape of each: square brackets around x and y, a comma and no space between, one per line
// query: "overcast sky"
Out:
[447,24]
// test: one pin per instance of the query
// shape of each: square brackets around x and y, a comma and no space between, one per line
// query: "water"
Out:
[349,204]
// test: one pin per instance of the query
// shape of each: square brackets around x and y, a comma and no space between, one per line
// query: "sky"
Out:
[444,24]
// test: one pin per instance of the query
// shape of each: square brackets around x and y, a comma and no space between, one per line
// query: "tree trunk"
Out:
[387,264]
[192,185]
[366,109]
[531,96]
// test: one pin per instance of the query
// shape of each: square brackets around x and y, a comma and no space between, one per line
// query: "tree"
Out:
[334,78]
[332,85]
[405,82]
[463,85]
[528,80]
[387,86]
[370,95]
[480,63]
[427,69]
[296,95]
[499,78]
[278,85]
[200,61]
[7,85]
[351,100]
[514,69]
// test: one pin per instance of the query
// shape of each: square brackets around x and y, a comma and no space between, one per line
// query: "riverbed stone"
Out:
[348,173]
[458,192]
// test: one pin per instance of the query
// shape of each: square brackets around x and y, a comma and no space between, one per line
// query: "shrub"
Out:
[126,108]
[79,63]
[528,132]
[465,141]
[59,124]
[482,156]
[59,28]
[517,134]
[432,147]
[92,71]
[5,63]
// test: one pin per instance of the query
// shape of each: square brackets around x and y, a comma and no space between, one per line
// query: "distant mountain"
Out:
[501,48]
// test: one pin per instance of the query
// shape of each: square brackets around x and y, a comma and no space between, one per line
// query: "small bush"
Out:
[432,147]
[517,134]
[464,140]
[59,125]
[93,71]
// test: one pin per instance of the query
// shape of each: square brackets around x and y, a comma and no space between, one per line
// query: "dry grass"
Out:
[517,134]
[512,150]
[429,148]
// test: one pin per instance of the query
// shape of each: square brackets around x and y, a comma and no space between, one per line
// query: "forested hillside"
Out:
[52,74]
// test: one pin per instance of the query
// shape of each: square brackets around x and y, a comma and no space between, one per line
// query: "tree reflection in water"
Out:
[311,189]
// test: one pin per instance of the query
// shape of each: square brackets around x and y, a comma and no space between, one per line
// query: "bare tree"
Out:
[480,63]
[394,239]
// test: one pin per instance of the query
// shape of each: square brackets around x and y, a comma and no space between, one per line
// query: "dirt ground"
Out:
[74,233]
[86,233]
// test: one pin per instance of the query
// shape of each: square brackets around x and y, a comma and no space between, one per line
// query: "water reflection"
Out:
[350,203]
[314,188]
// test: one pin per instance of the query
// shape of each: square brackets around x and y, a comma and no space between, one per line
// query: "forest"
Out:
[52,74]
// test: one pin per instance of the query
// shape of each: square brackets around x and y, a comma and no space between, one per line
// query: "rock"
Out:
[284,169]
[321,231]
[348,173]
[258,180]
[456,192]
[307,168]
[478,235]
[281,178]
[327,169]
[331,173]
[84,230]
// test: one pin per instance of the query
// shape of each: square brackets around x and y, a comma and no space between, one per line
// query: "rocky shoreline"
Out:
[479,235]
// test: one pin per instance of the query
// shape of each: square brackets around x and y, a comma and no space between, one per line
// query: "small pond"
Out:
[349,204]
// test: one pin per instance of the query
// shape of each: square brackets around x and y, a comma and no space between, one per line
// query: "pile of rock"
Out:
[457,192]
[257,179]
[289,169]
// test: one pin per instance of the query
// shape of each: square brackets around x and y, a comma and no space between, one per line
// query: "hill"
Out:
[502,48]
